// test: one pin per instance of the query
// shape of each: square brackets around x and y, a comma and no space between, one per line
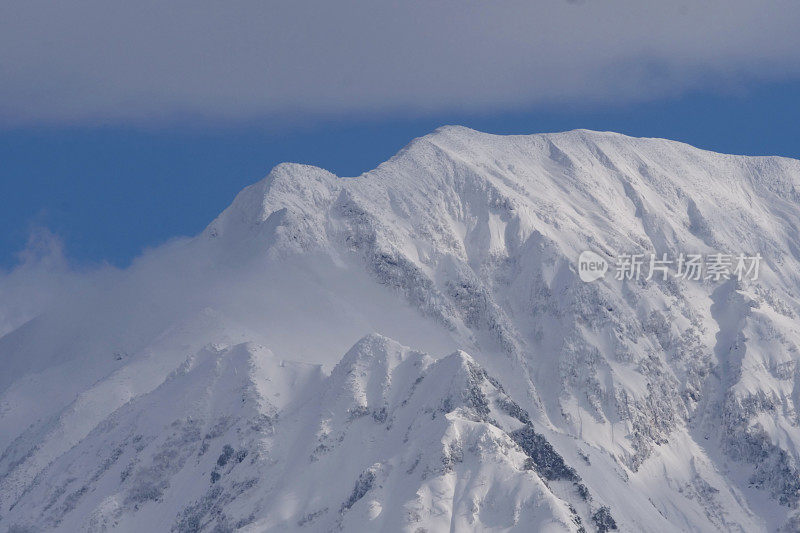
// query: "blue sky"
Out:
[123,125]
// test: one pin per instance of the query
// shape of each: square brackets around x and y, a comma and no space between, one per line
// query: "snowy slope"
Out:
[288,368]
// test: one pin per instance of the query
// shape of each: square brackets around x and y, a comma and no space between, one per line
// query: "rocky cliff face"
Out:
[662,404]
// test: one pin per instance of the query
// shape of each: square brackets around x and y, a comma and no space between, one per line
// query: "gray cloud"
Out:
[102,60]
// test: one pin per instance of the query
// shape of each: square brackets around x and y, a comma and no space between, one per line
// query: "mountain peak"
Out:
[633,403]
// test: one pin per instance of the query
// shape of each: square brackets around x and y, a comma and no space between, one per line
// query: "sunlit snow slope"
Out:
[413,350]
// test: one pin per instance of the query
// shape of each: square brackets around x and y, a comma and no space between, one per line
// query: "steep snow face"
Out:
[653,405]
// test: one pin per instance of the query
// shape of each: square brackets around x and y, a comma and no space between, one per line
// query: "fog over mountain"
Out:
[413,350]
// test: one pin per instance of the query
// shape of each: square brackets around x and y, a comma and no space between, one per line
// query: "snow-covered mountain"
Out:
[413,350]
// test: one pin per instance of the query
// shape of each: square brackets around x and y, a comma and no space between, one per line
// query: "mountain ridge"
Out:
[670,402]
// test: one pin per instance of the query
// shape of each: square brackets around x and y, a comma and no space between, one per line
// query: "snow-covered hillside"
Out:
[413,350]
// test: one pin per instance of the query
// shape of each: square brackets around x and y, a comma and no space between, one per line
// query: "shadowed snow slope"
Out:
[214,385]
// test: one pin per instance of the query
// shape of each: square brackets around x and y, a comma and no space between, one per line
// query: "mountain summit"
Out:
[413,349]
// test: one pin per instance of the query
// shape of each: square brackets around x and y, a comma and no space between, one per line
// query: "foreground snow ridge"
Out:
[215,384]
